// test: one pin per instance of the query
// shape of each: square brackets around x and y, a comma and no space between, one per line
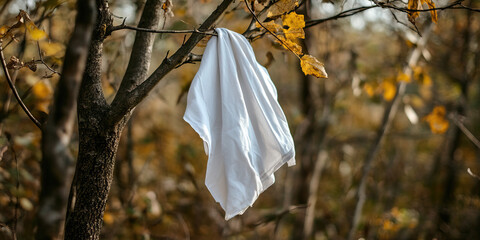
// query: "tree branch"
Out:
[91,97]
[344,14]
[140,29]
[142,48]
[353,11]
[458,121]
[14,90]
[42,61]
[124,103]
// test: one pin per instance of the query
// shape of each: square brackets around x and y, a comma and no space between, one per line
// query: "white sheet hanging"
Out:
[232,104]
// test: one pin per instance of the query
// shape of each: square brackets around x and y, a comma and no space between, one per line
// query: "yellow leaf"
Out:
[271,26]
[290,45]
[436,120]
[295,23]
[42,91]
[403,77]
[369,89]
[389,90]
[433,13]
[108,218]
[311,66]
[427,80]
[417,72]
[51,48]
[3,30]
[413,5]
[281,7]
[35,33]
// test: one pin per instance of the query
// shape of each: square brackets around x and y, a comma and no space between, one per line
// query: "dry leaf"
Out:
[281,7]
[295,23]
[42,90]
[108,218]
[167,8]
[14,63]
[413,5]
[403,77]
[370,89]
[389,90]
[436,120]
[433,13]
[311,66]
[271,26]
[31,65]
[290,45]
[3,30]
[51,48]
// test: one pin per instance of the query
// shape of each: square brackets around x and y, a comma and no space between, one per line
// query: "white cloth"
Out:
[232,104]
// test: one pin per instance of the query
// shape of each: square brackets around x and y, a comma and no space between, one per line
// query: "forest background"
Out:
[386,146]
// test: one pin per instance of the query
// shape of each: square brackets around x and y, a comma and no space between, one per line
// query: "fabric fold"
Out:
[232,104]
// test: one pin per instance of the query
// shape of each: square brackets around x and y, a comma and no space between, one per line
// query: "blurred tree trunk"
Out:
[309,140]
[57,162]
[463,80]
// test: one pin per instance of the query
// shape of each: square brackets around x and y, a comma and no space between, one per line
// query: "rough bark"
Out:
[100,125]
[57,162]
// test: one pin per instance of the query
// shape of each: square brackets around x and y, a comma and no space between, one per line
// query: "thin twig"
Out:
[281,41]
[347,13]
[123,26]
[14,90]
[17,203]
[40,55]
[465,130]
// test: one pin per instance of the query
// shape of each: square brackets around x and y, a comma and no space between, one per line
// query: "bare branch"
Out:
[457,120]
[121,27]
[124,103]
[14,89]
[142,48]
[42,61]
[347,13]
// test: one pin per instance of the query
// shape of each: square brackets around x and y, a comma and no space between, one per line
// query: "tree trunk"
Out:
[100,124]
[97,149]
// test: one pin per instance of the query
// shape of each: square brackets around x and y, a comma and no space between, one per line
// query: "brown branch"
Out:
[347,13]
[123,26]
[124,103]
[42,61]
[459,123]
[140,57]
[14,89]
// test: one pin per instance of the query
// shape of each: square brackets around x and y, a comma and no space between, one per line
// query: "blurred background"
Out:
[397,122]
